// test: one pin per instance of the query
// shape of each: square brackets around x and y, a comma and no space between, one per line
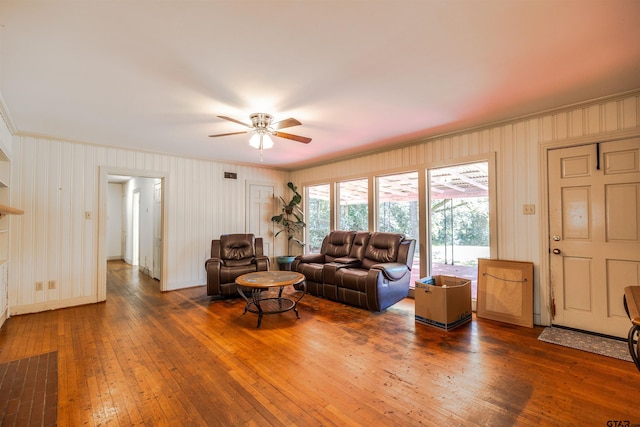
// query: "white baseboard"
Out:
[52,305]
[184,285]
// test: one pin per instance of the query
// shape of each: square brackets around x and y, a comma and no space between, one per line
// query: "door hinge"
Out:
[553,308]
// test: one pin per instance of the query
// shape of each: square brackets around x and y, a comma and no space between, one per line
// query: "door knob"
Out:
[556,251]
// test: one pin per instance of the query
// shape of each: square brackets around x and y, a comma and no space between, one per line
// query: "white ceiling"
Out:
[153,75]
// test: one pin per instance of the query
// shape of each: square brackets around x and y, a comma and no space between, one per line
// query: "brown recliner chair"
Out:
[231,256]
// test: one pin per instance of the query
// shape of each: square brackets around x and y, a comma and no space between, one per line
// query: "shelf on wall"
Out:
[8,210]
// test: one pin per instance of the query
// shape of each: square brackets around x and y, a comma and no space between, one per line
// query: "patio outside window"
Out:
[459,220]
[398,210]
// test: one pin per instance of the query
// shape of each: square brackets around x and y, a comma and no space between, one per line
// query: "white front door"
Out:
[594,224]
[261,202]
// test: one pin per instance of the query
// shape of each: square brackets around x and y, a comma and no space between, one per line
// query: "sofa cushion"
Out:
[352,278]
[337,244]
[229,274]
[237,247]
[238,262]
[382,247]
[359,246]
[311,271]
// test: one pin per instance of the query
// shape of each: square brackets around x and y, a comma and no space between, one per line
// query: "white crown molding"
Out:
[478,128]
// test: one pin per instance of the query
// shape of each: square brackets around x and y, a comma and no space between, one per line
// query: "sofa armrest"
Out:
[307,258]
[212,263]
[329,271]
[392,270]
[212,267]
[262,263]
[348,261]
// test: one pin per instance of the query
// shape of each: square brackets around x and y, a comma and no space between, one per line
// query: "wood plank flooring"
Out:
[179,359]
[29,391]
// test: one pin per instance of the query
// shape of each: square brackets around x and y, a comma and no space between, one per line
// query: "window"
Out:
[398,210]
[353,197]
[398,204]
[318,216]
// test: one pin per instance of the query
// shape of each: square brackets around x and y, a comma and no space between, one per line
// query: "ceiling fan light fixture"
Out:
[267,142]
[255,141]
[261,141]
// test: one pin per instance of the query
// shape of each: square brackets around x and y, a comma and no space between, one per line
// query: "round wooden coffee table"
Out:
[256,285]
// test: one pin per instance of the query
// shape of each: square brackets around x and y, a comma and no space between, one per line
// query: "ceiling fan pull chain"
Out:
[261,148]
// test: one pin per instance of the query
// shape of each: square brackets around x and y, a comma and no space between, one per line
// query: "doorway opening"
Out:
[131,224]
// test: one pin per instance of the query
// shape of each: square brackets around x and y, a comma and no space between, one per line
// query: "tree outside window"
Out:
[354,205]
[398,210]
[318,214]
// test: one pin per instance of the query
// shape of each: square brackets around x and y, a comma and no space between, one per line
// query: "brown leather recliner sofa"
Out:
[231,256]
[371,270]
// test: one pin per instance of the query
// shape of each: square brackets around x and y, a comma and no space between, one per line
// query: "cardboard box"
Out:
[443,301]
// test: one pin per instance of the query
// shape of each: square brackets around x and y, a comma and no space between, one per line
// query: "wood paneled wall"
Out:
[58,182]
[5,148]
[516,147]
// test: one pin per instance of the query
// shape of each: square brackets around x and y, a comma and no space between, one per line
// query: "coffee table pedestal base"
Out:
[260,305]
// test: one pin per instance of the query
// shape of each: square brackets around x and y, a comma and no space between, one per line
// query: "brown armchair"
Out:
[231,256]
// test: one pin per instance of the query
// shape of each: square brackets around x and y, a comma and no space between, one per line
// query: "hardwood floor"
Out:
[178,358]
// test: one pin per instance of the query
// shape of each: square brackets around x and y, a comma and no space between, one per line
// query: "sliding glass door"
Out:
[459,220]
[397,212]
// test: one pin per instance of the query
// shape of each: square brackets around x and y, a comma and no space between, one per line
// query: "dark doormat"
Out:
[29,391]
[587,342]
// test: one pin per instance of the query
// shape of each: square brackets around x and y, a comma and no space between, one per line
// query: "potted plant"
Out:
[290,219]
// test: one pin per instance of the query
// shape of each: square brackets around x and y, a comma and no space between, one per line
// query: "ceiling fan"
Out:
[261,128]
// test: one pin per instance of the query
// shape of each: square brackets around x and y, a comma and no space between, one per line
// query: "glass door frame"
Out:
[425,198]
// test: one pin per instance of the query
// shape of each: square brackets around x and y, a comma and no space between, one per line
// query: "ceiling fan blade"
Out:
[235,121]
[227,134]
[287,123]
[298,138]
